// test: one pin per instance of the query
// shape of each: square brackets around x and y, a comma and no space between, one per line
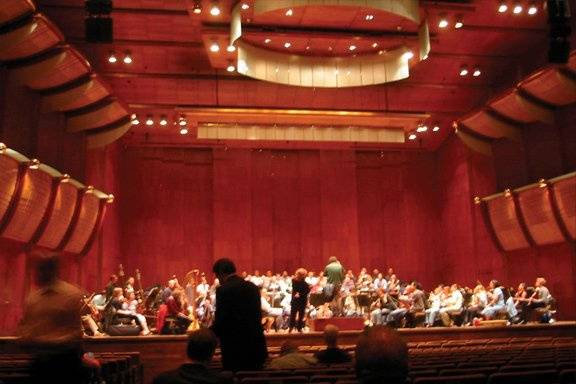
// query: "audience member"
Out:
[332,354]
[290,358]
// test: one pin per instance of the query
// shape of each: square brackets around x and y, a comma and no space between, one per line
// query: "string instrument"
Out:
[140,291]
[121,276]
[87,304]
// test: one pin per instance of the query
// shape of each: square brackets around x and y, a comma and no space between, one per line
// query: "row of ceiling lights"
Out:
[113,58]
[444,22]
[464,71]
[181,122]
[422,128]
[518,8]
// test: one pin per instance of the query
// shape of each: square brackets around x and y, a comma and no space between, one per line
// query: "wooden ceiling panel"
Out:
[12,10]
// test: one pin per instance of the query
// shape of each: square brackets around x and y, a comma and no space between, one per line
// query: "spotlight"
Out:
[380,52]
[287,45]
[245,6]
[267,41]
[443,23]
[508,192]
[502,7]
[369,17]
[163,120]
[65,178]
[214,47]
[215,9]
[182,121]
[330,48]
[110,198]
[112,59]
[542,183]
[289,12]
[352,47]
[149,121]
[436,128]
[184,131]
[230,67]
[459,23]
[517,9]
[135,120]
[407,55]
[127,58]
[533,9]
[230,48]
[412,136]
[422,128]
[374,45]
[476,72]
[197,9]
[463,70]
[34,164]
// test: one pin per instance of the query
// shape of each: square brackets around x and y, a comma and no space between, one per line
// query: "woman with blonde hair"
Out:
[300,291]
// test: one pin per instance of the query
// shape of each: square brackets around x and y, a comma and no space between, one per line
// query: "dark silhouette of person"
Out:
[238,320]
[200,350]
[332,354]
[381,356]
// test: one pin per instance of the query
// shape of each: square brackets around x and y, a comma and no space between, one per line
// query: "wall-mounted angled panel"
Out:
[12,10]
[102,138]
[89,216]
[538,215]
[11,171]
[518,108]
[60,219]
[551,86]
[506,224]
[105,114]
[564,189]
[487,125]
[79,96]
[37,192]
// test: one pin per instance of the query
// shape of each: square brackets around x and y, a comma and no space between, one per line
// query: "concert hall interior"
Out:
[436,138]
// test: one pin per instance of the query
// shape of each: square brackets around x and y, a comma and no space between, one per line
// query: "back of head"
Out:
[333,259]
[331,335]
[46,268]
[223,267]
[300,274]
[288,347]
[201,345]
[381,356]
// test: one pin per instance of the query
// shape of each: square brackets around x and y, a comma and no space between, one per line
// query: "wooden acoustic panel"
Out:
[35,198]
[86,224]
[487,125]
[104,137]
[538,215]
[104,115]
[12,10]
[516,107]
[54,71]
[89,92]
[502,214]
[30,39]
[60,218]
[551,86]
[565,197]
[10,163]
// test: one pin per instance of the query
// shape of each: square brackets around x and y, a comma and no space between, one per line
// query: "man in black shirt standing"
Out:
[300,291]
[238,320]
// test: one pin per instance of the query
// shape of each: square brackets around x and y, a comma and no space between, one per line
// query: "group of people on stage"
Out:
[289,302]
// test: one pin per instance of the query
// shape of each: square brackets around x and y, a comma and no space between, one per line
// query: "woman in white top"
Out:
[497,303]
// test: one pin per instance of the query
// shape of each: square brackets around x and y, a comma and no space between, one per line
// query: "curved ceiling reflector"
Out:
[54,71]
[107,136]
[536,208]
[79,96]
[518,108]
[99,117]
[483,146]
[91,211]
[11,169]
[565,197]
[30,39]
[503,216]
[485,124]
[12,10]
[552,87]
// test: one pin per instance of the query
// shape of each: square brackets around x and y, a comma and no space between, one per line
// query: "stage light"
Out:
[182,121]
[110,198]
[89,189]
[230,48]
[476,72]
[408,55]
[412,136]
[215,9]
[287,44]
[197,9]
[380,52]
[127,57]
[135,120]
[34,164]
[508,192]
[245,6]
[267,41]
[149,121]
[374,45]
[533,9]
[517,9]
[330,49]
[163,120]
[230,67]
[289,12]
[369,17]
[422,128]
[436,128]
[463,70]
[214,47]
[112,59]
[352,47]
[443,23]
[459,22]
[307,47]
[477,200]
[502,7]
[65,178]
[184,131]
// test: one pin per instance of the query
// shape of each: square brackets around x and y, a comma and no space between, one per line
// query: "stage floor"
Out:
[159,353]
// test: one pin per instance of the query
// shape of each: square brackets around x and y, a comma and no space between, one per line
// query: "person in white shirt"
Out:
[452,305]
[202,288]
[477,303]
[497,303]
[435,300]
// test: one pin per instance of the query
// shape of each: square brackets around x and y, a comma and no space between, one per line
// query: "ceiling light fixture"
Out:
[135,120]
[287,44]
[422,128]
[163,120]
[230,67]
[443,23]
[517,9]
[459,23]
[436,128]
[267,41]
[463,70]
[289,12]
[533,9]
[182,121]
[127,57]
[245,6]
[149,120]
[369,17]
[476,72]
[230,48]
[412,136]
[502,7]
[408,55]
[214,47]
[374,45]
[197,8]
[184,130]
[215,9]
[112,59]
[352,47]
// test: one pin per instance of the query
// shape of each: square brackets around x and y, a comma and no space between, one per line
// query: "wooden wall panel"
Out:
[87,222]
[539,216]
[504,219]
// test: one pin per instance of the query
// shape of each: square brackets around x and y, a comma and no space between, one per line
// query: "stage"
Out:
[159,353]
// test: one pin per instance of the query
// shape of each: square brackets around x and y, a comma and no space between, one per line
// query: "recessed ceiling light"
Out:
[533,9]
[230,48]
[502,7]
[127,58]
[184,131]
[289,12]
[459,23]
[412,136]
[267,41]
[112,59]
[287,44]
[352,47]
[408,55]
[149,121]
[369,17]
[214,47]
[230,67]
[476,72]
[517,9]
[422,128]
[374,45]
[197,9]
[443,23]
[380,52]
[215,9]
[463,70]
[135,120]
[245,6]
[436,128]
[182,121]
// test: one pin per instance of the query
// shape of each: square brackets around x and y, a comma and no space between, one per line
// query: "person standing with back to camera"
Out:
[334,273]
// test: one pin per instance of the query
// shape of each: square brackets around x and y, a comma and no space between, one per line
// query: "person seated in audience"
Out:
[478,301]
[497,303]
[332,354]
[452,305]
[291,358]
[539,299]
[435,303]
[381,357]
[200,350]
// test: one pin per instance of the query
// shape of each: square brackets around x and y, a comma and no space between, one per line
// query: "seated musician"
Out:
[130,306]
[205,313]
[452,305]
[435,300]
[539,299]
[351,306]
[478,301]
[115,312]
[129,286]
[415,297]
[90,316]
[178,311]
[497,302]
[270,315]
[381,308]
[324,311]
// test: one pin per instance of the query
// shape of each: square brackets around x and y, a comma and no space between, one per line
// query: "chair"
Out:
[526,377]
[460,379]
